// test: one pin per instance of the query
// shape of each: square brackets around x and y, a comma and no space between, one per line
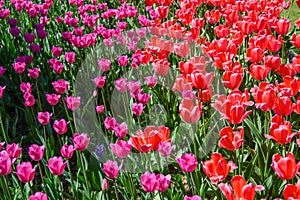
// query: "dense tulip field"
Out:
[149,99]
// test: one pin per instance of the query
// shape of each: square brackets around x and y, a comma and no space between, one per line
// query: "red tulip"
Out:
[221,31]
[36,152]
[162,11]
[264,96]
[187,162]
[241,190]
[272,62]
[283,106]
[255,55]
[25,172]
[111,169]
[273,45]
[246,27]
[201,80]
[231,140]
[56,165]
[282,26]
[217,168]
[280,131]
[212,16]
[259,72]
[232,80]
[149,139]
[292,191]
[296,40]
[289,87]
[297,106]
[285,167]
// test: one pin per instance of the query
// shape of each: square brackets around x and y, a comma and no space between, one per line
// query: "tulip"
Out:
[196,197]
[217,168]
[99,81]
[149,182]
[241,190]
[189,112]
[2,88]
[283,106]
[187,162]
[29,99]
[165,148]
[56,165]
[67,151]
[81,141]
[73,103]
[151,80]
[111,169]
[163,182]
[60,126]
[137,109]
[201,80]
[122,60]
[5,163]
[285,167]
[52,99]
[38,196]
[105,185]
[25,172]
[104,64]
[44,117]
[121,149]
[70,57]
[14,151]
[231,140]
[121,84]
[56,51]
[36,152]
[60,86]
[292,191]
[161,67]
[19,67]
[110,123]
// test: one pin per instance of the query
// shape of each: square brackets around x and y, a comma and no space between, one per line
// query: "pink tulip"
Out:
[165,148]
[137,109]
[188,162]
[104,64]
[60,126]
[72,102]
[25,172]
[100,109]
[14,151]
[34,73]
[5,163]
[121,84]
[143,98]
[99,81]
[134,86]
[29,99]
[56,165]
[111,169]
[1,145]
[60,86]
[2,88]
[70,57]
[110,123]
[36,152]
[2,70]
[56,51]
[121,130]
[26,87]
[121,149]
[44,117]
[122,60]
[67,151]
[196,197]
[163,182]
[52,99]
[189,112]
[38,196]
[105,185]
[81,141]
[151,80]
[149,182]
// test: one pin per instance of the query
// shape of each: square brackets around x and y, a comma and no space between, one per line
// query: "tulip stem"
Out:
[6,185]
[61,188]
[45,136]
[41,173]
[83,169]
[116,190]
[191,182]
[71,177]
[2,129]
[30,186]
